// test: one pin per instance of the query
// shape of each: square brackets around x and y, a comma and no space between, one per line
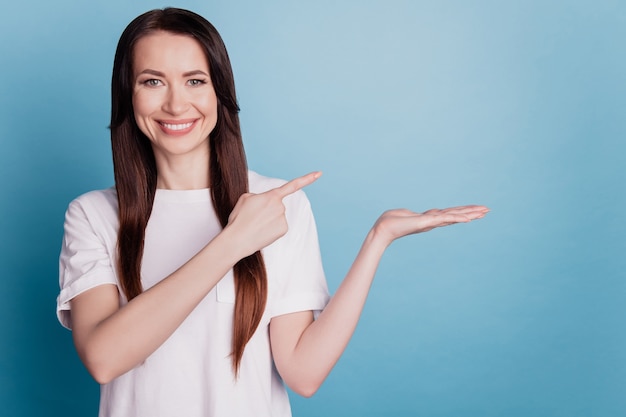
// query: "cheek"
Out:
[209,104]
[206,101]
[206,106]
[142,105]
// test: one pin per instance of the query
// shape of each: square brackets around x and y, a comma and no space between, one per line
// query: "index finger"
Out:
[297,184]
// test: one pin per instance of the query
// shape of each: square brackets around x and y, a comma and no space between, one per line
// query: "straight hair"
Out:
[136,172]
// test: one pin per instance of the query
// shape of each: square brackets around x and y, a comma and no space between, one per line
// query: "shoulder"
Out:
[259,183]
[97,204]
[106,196]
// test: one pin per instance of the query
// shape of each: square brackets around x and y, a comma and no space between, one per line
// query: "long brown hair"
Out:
[136,173]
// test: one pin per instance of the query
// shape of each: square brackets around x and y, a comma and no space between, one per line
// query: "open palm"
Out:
[394,224]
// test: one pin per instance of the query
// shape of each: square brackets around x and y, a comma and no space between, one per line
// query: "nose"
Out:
[176,103]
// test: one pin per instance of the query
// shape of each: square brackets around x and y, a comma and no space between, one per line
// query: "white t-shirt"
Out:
[191,374]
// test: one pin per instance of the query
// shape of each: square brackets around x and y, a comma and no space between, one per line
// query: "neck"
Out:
[183,172]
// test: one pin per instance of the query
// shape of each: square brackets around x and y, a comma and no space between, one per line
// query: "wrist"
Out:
[377,239]
[231,248]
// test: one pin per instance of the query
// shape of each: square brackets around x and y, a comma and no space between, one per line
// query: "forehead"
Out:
[166,51]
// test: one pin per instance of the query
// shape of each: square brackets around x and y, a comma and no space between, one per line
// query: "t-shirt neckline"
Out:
[182,196]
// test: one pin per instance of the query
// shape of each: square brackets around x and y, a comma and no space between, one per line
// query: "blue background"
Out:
[517,105]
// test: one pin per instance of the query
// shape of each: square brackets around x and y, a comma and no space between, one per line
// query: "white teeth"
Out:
[177,127]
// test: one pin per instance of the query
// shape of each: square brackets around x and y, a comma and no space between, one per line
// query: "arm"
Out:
[304,350]
[111,339]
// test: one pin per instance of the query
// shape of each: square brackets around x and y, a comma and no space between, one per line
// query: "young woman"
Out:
[191,285]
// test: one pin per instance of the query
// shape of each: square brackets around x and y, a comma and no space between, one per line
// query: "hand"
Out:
[259,219]
[394,224]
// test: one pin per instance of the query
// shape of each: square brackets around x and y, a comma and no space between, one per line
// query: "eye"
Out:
[196,82]
[152,82]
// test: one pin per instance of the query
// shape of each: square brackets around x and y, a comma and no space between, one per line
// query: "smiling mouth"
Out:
[181,126]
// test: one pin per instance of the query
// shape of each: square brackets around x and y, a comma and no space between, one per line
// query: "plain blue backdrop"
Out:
[517,105]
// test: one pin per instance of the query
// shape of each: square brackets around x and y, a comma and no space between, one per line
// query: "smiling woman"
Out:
[175,106]
[191,285]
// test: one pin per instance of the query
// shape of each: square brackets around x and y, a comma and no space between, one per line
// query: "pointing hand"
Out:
[259,219]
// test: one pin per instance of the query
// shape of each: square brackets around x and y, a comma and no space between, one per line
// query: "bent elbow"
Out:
[100,369]
[306,390]
[308,393]
[102,376]
[101,372]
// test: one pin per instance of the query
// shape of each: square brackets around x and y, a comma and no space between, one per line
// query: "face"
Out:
[173,98]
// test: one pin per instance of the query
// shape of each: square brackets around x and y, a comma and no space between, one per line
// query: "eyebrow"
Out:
[186,74]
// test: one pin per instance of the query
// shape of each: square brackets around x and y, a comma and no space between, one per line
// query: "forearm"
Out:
[324,340]
[130,334]
[304,350]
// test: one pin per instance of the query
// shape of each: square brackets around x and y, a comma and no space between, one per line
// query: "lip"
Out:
[177,127]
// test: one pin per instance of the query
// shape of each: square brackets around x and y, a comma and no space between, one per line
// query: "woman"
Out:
[191,286]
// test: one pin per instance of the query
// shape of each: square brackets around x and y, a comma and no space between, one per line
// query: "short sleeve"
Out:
[85,261]
[303,286]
